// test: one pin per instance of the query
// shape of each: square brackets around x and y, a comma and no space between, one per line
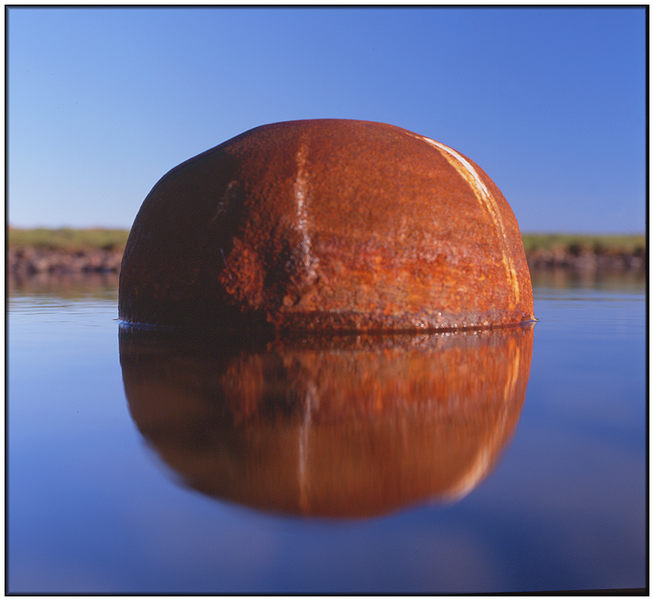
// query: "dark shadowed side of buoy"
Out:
[326,225]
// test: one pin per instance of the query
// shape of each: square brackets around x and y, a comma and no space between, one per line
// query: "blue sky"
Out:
[550,102]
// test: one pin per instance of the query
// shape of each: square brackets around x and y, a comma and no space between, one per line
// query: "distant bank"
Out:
[62,251]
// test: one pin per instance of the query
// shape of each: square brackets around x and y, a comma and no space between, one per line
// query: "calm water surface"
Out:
[513,461]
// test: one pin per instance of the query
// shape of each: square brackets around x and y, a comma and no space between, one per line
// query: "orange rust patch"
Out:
[468,173]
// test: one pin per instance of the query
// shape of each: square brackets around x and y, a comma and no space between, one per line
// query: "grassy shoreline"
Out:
[74,259]
[68,239]
[579,243]
[75,240]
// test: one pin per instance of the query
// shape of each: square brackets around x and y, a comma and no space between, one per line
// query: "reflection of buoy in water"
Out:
[326,225]
[339,427]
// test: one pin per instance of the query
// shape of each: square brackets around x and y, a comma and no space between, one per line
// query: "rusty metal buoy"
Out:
[330,225]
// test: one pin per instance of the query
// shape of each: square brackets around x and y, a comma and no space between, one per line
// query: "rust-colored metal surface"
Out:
[343,427]
[326,225]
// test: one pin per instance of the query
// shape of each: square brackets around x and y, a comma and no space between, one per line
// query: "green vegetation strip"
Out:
[68,239]
[577,243]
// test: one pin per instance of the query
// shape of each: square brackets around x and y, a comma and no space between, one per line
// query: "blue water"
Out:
[93,506]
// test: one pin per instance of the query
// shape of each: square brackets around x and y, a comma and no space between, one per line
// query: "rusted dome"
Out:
[326,225]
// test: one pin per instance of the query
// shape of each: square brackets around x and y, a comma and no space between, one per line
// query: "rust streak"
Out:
[485,198]
[300,189]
